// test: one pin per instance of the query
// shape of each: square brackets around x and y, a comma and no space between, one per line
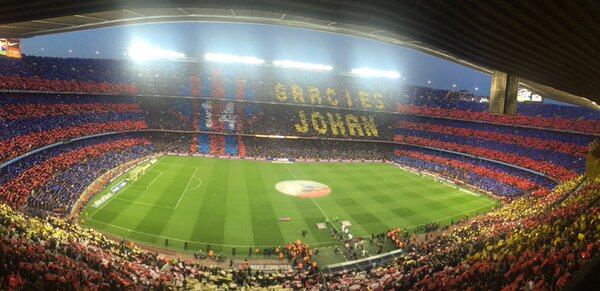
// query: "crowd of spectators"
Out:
[38,84]
[540,165]
[30,121]
[284,120]
[574,145]
[458,105]
[494,178]
[226,81]
[168,113]
[170,142]
[221,81]
[27,175]
[41,119]
[230,82]
[52,180]
[542,252]
[36,120]
[316,149]
[60,193]
[449,139]
[66,75]
[559,155]
[50,253]
[533,241]
[553,123]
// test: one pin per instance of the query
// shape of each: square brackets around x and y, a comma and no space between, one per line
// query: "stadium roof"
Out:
[551,45]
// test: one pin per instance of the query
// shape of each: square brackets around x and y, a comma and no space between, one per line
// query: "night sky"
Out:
[265,42]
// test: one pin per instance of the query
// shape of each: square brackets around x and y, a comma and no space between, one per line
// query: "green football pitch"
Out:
[234,203]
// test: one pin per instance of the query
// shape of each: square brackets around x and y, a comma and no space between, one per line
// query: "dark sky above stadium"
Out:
[265,42]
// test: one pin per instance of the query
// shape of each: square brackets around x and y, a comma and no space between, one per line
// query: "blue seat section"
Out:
[203,144]
[231,145]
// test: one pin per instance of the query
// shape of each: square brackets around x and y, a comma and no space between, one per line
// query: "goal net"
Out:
[138,171]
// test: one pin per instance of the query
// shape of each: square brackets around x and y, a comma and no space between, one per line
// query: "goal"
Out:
[137,172]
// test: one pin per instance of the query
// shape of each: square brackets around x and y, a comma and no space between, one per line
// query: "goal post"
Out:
[138,171]
[133,175]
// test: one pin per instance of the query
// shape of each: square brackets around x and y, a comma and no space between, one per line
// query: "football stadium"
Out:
[291,145]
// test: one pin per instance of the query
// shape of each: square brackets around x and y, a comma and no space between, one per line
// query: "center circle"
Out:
[303,188]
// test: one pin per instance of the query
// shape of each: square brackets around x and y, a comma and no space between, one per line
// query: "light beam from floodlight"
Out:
[141,51]
[224,58]
[367,72]
[302,66]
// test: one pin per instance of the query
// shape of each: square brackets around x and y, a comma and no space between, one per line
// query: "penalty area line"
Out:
[186,188]
[117,194]
[154,179]
[144,203]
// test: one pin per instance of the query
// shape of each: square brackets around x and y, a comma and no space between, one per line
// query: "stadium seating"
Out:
[545,231]
[59,194]
[33,121]
[566,219]
[492,177]
[554,123]
[558,155]
[26,179]
[204,144]
[168,113]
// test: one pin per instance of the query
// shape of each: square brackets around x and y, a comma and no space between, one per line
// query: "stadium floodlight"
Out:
[224,58]
[476,88]
[141,51]
[302,66]
[367,72]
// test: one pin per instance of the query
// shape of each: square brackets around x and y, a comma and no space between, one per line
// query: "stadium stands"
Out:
[554,123]
[538,238]
[30,121]
[492,177]
[316,149]
[60,193]
[34,118]
[35,171]
[469,255]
